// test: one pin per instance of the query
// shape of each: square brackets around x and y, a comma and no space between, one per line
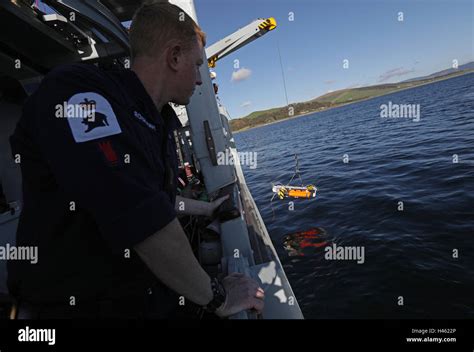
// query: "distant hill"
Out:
[338,98]
[468,66]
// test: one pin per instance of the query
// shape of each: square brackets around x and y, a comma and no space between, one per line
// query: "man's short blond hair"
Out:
[155,23]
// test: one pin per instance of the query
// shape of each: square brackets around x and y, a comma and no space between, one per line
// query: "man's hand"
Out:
[242,293]
[215,204]
[197,207]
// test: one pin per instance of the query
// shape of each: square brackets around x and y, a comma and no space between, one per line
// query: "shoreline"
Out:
[352,102]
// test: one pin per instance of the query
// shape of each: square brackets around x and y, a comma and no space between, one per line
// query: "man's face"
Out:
[188,76]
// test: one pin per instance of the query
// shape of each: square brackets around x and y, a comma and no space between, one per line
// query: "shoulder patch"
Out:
[90,116]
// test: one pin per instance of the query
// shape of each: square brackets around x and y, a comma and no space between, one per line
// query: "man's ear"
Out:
[174,56]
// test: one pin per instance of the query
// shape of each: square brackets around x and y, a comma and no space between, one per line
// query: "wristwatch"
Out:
[219,296]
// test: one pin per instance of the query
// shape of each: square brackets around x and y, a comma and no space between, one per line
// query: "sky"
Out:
[318,35]
[313,44]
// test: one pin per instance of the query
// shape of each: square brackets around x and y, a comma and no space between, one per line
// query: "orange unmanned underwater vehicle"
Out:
[285,191]
[308,191]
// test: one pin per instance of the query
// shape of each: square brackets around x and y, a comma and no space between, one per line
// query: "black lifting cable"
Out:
[297,172]
[281,192]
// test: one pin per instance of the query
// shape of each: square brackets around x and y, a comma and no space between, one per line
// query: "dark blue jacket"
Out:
[99,172]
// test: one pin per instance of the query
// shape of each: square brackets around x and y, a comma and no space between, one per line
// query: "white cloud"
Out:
[355,85]
[396,72]
[241,74]
[246,104]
